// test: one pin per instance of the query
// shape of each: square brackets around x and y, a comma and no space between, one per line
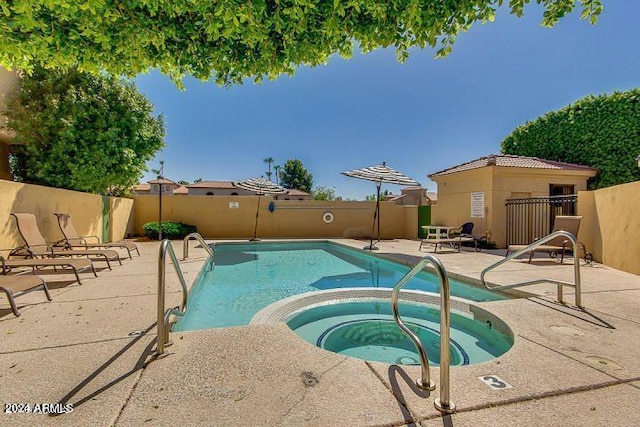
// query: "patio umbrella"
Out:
[379,174]
[261,187]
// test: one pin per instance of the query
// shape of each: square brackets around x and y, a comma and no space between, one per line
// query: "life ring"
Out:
[327,217]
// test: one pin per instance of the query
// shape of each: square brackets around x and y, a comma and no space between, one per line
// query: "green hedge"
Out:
[170,230]
[598,131]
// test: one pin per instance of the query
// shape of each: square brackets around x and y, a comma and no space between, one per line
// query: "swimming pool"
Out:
[249,277]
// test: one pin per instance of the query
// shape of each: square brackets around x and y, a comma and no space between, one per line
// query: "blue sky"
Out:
[420,117]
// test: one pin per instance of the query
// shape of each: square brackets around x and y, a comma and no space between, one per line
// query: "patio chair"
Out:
[72,238]
[37,247]
[15,286]
[559,244]
[466,232]
[77,265]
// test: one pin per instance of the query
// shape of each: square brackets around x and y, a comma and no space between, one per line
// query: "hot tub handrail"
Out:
[443,403]
[576,268]
[200,239]
[163,315]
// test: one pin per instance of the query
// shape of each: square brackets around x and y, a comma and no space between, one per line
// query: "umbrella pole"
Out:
[255,229]
[378,209]
[376,215]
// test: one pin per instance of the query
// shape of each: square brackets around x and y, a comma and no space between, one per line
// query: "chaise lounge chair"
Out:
[37,247]
[72,239]
[77,265]
[559,244]
[14,286]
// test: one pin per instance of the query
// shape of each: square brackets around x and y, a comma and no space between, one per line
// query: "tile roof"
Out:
[142,187]
[511,161]
[212,184]
[295,192]
[181,190]
[164,181]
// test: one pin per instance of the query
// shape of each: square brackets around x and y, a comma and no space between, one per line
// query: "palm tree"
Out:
[277,169]
[268,161]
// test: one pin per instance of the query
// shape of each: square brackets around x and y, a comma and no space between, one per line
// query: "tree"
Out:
[234,40]
[324,193]
[294,175]
[268,161]
[277,169]
[81,131]
[598,131]
[383,193]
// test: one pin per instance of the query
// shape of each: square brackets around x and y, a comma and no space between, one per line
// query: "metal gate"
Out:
[531,218]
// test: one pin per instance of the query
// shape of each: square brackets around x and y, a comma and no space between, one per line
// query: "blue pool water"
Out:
[248,277]
[366,330]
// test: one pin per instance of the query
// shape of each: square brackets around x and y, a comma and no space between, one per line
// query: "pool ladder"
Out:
[576,268]
[164,314]
[443,403]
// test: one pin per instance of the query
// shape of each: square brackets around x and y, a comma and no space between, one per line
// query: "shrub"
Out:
[485,244]
[170,230]
[598,131]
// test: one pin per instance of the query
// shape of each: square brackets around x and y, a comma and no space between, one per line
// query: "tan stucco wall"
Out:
[610,226]
[122,218]
[43,202]
[498,184]
[291,218]
[454,199]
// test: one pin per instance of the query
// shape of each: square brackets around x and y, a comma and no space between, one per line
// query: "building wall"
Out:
[610,227]
[43,202]
[519,182]
[454,199]
[214,217]
[498,185]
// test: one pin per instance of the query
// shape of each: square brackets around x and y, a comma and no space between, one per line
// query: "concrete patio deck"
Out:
[92,347]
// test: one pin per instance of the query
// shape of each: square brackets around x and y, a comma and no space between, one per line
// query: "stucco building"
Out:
[477,191]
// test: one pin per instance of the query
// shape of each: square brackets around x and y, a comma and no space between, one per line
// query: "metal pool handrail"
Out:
[163,315]
[576,268]
[200,239]
[443,403]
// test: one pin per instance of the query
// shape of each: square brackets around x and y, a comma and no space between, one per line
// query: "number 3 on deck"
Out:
[495,382]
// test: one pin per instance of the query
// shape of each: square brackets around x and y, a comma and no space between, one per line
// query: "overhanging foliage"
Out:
[599,131]
[231,40]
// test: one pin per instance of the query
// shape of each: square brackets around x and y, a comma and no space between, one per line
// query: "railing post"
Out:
[443,403]
[576,267]
[163,316]
[200,239]
[576,272]
[161,328]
